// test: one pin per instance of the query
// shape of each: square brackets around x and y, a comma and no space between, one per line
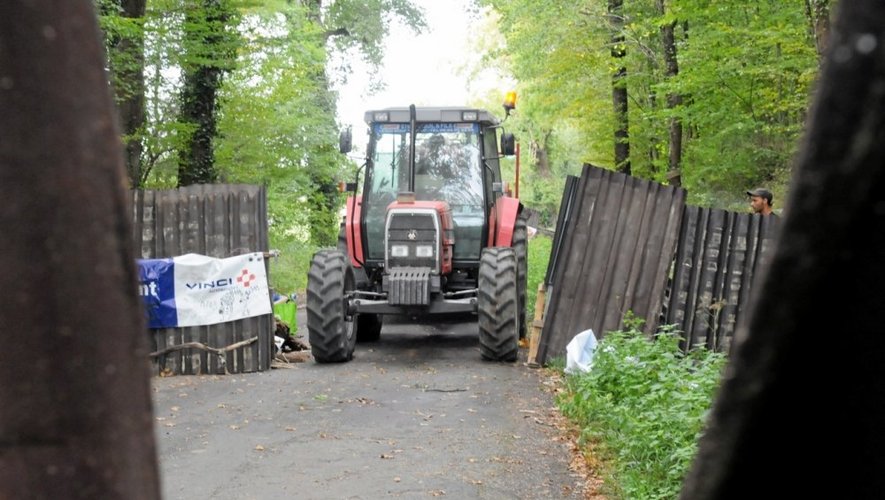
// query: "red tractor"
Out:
[433,231]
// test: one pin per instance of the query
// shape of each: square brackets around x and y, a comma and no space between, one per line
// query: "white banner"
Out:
[209,290]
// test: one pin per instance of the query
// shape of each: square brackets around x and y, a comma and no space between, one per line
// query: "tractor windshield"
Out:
[448,167]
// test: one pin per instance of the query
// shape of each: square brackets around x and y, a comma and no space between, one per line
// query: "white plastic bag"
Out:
[579,352]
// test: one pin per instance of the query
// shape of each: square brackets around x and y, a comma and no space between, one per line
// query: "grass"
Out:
[538,256]
[642,408]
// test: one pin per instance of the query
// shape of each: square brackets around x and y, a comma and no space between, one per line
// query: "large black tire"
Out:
[331,332]
[368,327]
[521,249]
[497,305]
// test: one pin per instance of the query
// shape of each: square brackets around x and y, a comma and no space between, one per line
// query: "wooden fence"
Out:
[620,235]
[624,244]
[715,268]
[220,221]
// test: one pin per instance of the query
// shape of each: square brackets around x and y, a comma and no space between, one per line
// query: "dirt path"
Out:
[417,414]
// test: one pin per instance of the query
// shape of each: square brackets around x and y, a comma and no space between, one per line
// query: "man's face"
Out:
[758,203]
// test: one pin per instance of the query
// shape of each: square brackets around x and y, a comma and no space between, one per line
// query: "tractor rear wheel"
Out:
[331,331]
[520,248]
[368,327]
[497,305]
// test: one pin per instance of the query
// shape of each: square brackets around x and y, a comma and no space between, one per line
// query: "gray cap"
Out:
[762,193]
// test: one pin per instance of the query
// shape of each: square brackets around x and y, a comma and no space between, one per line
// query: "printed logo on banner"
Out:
[220,290]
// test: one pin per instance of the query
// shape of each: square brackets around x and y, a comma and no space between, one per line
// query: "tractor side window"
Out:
[389,175]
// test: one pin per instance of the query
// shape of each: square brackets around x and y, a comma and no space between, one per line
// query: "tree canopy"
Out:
[734,76]
[238,91]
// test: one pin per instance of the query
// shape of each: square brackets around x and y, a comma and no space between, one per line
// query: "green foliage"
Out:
[538,257]
[276,114]
[745,76]
[288,272]
[363,24]
[643,406]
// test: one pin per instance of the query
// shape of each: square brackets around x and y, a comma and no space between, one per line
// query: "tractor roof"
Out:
[435,114]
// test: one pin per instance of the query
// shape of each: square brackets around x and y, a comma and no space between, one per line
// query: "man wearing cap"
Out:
[760,201]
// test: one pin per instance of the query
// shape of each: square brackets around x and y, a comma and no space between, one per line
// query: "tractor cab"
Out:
[432,231]
[455,161]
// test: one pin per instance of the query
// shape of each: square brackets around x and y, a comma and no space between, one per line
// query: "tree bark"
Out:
[204,35]
[130,88]
[541,156]
[674,158]
[818,14]
[132,106]
[74,377]
[619,87]
[800,411]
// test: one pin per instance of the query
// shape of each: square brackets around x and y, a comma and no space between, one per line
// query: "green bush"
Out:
[643,406]
[288,272]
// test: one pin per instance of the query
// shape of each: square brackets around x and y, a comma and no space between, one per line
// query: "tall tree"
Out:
[125,41]
[743,80]
[772,381]
[818,14]
[210,42]
[74,379]
[674,99]
[619,86]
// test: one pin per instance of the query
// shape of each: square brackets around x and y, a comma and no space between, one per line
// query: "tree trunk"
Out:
[325,213]
[74,380]
[541,156]
[132,105]
[818,14]
[674,159]
[800,411]
[205,38]
[619,87]
[130,88]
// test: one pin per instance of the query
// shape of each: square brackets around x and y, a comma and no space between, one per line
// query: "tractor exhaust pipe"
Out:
[412,121]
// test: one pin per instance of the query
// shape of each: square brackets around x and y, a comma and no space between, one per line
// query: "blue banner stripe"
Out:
[157,290]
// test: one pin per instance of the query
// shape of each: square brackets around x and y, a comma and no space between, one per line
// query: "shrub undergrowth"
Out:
[288,272]
[642,406]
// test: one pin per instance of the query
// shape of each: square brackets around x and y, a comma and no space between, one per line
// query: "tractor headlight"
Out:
[424,251]
[399,251]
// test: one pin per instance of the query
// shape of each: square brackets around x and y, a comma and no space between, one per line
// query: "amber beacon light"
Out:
[509,102]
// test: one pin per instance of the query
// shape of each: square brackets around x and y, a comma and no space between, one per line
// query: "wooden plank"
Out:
[562,294]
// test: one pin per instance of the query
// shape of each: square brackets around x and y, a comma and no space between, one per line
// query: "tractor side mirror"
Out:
[345,141]
[508,144]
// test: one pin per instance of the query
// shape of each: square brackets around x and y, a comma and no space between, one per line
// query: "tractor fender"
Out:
[503,220]
[352,230]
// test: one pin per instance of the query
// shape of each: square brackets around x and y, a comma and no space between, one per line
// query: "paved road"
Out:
[416,415]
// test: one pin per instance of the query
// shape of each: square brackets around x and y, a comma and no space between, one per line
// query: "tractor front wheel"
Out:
[331,331]
[498,305]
